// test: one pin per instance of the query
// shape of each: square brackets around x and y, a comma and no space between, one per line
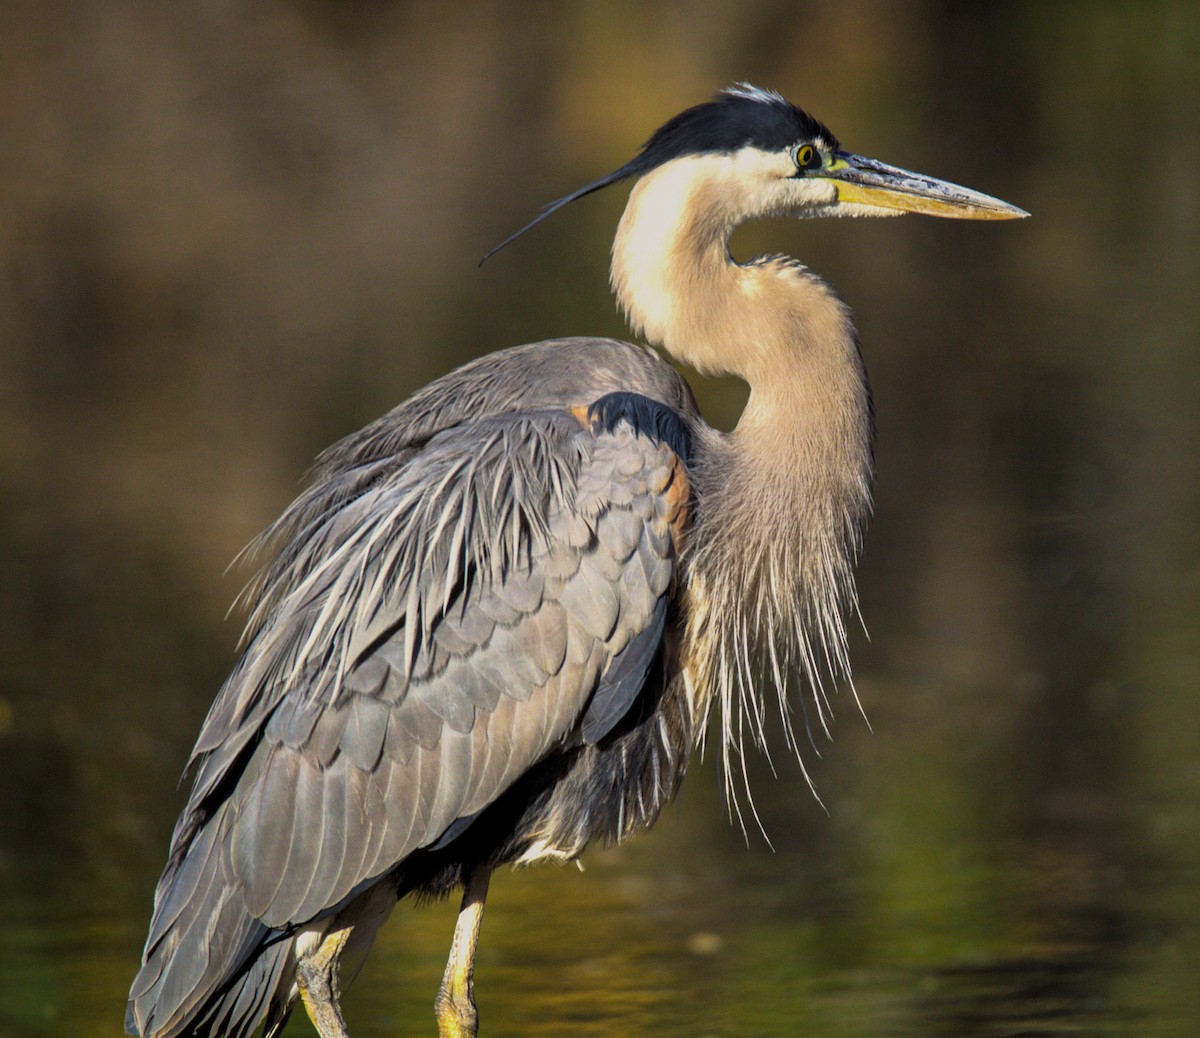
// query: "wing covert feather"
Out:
[435,698]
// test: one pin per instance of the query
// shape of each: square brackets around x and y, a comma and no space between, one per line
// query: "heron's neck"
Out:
[784,496]
[770,322]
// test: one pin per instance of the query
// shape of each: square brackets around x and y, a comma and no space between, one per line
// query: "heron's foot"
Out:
[457,1016]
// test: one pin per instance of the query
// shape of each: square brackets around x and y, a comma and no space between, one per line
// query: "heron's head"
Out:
[769,158]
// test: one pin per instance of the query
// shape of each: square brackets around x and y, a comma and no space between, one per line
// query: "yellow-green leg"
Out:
[317,978]
[455,1002]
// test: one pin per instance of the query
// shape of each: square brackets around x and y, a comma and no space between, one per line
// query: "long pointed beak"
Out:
[864,181]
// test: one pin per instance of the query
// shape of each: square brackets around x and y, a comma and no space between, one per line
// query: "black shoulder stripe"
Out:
[648,417]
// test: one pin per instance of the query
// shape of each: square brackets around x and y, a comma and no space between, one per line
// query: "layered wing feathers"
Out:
[439,611]
[484,612]
[440,631]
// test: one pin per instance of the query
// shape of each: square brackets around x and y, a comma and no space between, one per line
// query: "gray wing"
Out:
[510,568]
[455,622]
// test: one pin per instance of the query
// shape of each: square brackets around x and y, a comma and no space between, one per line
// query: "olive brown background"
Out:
[232,232]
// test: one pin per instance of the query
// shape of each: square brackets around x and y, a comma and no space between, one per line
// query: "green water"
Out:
[229,238]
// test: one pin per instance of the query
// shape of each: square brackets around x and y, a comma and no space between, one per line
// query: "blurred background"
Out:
[231,233]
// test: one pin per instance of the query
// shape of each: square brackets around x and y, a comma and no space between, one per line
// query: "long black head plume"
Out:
[742,116]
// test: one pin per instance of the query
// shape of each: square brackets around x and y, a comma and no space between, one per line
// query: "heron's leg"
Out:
[455,1002]
[317,978]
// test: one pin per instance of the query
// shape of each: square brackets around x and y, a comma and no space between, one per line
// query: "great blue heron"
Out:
[494,626]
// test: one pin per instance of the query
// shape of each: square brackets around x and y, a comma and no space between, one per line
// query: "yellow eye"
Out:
[806,156]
